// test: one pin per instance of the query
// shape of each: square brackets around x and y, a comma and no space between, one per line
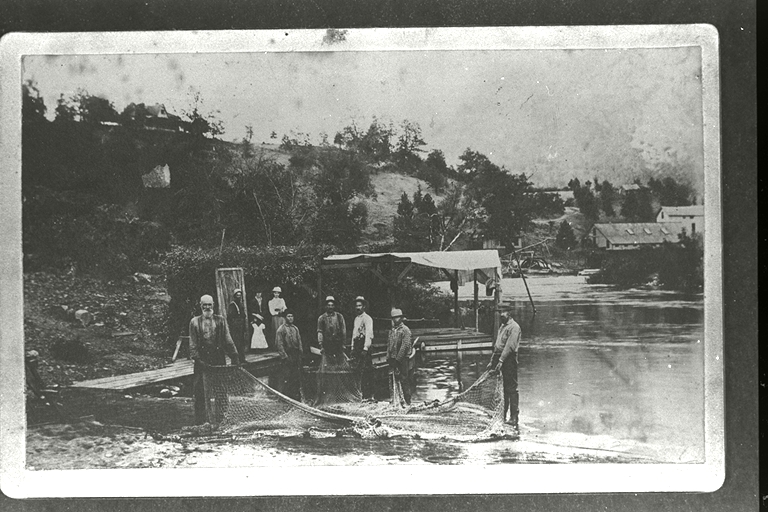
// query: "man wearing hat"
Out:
[399,347]
[504,359]
[209,341]
[362,337]
[236,322]
[331,329]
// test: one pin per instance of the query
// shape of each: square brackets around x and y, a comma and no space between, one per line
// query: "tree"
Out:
[637,206]
[94,109]
[65,110]
[671,193]
[565,238]
[505,198]
[585,200]
[435,171]
[201,124]
[607,198]
[32,106]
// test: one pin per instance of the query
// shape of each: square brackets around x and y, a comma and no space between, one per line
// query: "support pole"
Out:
[476,304]
[320,287]
[456,298]
[496,312]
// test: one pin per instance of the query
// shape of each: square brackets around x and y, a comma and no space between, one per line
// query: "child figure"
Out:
[258,340]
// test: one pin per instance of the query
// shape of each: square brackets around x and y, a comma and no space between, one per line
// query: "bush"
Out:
[191,273]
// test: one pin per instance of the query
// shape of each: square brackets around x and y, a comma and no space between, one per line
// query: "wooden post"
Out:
[476,305]
[456,298]
[320,288]
[496,312]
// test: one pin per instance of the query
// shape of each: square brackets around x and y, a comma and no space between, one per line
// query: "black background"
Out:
[736,21]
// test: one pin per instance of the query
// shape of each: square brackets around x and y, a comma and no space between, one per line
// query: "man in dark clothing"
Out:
[331,329]
[504,359]
[291,350]
[236,322]
[209,342]
[399,345]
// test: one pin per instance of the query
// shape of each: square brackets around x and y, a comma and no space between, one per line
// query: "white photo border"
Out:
[17,482]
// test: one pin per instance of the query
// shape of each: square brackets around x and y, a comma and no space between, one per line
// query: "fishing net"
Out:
[238,402]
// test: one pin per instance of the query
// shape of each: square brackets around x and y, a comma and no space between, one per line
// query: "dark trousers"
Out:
[203,411]
[511,396]
[291,377]
[364,365]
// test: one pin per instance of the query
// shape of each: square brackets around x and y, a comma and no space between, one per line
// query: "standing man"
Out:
[504,359]
[209,341]
[362,338]
[331,329]
[288,342]
[399,347]
[236,322]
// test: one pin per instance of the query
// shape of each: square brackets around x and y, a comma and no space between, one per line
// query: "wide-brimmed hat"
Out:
[330,298]
[362,300]
[396,313]
[277,289]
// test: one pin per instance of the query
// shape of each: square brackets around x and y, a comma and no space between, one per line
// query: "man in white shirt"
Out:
[362,338]
[504,359]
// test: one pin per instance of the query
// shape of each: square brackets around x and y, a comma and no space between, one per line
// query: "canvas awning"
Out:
[449,260]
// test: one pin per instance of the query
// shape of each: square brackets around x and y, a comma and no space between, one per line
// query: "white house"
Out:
[688,218]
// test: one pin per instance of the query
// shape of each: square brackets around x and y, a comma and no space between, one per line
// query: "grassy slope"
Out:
[383,208]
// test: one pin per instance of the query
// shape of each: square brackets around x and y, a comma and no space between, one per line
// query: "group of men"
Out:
[211,342]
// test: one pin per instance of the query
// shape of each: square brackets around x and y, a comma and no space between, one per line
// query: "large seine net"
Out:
[238,402]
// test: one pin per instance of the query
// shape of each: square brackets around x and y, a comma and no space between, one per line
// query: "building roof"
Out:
[639,232]
[675,211]
[452,260]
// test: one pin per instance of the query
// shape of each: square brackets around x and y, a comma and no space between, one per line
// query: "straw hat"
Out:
[330,298]
[277,289]
[362,300]
[396,313]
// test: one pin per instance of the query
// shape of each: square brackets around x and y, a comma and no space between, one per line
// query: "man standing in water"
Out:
[288,343]
[362,337]
[504,359]
[331,329]
[399,347]
[236,323]
[209,341]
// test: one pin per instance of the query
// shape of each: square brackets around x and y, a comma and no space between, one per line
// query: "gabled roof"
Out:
[676,211]
[640,232]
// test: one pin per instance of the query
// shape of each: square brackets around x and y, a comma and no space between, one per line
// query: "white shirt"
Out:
[276,306]
[363,325]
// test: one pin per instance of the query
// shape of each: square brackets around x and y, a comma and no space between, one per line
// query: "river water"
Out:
[606,375]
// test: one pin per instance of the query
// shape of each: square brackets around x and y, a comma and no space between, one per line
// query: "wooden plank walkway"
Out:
[179,369]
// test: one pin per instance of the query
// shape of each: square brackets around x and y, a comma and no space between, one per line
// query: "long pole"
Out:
[456,298]
[475,304]
[520,269]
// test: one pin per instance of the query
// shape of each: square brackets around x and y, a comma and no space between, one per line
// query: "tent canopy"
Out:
[452,260]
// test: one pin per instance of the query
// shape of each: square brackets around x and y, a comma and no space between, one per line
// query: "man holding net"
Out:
[399,345]
[209,341]
[504,359]
[288,343]
[331,329]
[362,338]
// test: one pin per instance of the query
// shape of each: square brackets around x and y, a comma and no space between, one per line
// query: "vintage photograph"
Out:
[367,249]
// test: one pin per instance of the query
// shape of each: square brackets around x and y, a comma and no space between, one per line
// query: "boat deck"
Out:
[433,339]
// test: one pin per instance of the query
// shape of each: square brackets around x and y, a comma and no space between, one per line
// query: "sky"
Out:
[617,114]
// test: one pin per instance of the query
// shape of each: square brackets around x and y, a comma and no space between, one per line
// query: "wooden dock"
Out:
[449,338]
[179,369]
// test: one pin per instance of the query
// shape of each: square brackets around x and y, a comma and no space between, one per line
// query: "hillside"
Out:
[383,207]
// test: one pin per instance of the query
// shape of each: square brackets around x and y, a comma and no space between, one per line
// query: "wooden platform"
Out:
[440,339]
[179,369]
